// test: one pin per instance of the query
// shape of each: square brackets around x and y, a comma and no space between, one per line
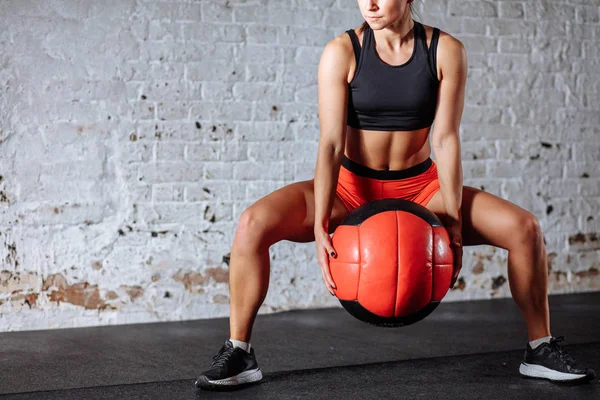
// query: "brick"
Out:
[544,10]
[211,32]
[209,190]
[510,9]
[216,12]
[473,8]
[172,117]
[169,172]
[170,151]
[167,193]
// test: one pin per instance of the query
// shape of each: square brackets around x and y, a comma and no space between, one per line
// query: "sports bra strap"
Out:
[432,51]
[355,44]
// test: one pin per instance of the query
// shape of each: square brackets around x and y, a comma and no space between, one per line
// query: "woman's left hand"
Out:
[454,229]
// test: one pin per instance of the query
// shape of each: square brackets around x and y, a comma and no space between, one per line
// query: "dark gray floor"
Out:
[463,350]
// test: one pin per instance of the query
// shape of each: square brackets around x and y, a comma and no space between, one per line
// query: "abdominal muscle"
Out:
[387,150]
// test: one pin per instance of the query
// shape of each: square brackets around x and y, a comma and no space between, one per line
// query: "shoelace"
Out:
[222,356]
[562,353]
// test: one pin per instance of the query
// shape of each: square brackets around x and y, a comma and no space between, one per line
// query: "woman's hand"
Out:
[325,250]
[454,229]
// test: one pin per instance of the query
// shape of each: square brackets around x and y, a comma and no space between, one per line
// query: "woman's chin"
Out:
[376,24]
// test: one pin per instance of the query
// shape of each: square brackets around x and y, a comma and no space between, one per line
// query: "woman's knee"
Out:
[527,229]
[253,228]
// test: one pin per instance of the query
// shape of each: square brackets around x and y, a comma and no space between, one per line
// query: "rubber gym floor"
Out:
[464,350]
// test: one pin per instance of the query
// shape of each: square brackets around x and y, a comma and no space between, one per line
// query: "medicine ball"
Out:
[394,262]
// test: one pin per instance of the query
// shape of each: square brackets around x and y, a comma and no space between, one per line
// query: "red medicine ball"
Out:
[394,263]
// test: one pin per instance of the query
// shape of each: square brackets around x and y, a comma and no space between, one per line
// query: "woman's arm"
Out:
[333,98]
[452,61]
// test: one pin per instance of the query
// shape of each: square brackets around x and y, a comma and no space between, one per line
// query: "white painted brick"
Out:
[545,10]
[214,71]
[140,193]
[259,54]
[263,34]
[222,111]
[588,14]
[208,32]
[170,151]
[509,62]
[513,45]
[479,61]
[473,169]
[481,114]
[169,172]
[483,149]
[264,151]
[478,44]
[170,11]
[303,75]
[166,31]
[589,187]
[305,36]
[581,31]
[263,131]
[162,193]
[209,190]
[510,27]
[533,150]
[216,12]
[307,94]
[509,9]
[277,93]
[170,130]
[303,171]
[217,170]
[162,118]
[262,73]
[544,30]
[301,151]
[318,4]
[306,131]
[238,191]
[482,8]
[172,110]
[217,91]
[286,112]
[346,18]
[589,152]
[259,170]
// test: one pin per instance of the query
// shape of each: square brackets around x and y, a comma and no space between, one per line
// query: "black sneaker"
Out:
[231,367]
[550,361]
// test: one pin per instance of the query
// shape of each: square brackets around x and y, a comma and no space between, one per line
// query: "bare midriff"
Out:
[387,150]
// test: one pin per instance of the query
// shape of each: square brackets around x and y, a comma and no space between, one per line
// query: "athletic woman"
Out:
[380,88]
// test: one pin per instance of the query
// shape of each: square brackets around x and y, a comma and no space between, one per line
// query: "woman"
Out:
[380,88]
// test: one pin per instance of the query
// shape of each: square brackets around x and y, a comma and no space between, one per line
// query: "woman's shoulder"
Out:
[445,40]
[339,48]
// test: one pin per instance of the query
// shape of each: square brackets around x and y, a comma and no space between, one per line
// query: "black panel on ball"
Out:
[358,215]
[355,309]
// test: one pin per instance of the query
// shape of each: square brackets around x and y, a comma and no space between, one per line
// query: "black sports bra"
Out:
[385,97]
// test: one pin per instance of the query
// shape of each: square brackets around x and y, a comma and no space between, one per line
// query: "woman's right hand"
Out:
[325,251]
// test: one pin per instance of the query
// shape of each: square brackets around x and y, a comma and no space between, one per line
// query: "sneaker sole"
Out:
[538,371]
[246,377]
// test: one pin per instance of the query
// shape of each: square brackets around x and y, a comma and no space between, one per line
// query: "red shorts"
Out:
[358,184]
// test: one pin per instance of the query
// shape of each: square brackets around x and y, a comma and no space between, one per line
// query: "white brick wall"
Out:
[133,133]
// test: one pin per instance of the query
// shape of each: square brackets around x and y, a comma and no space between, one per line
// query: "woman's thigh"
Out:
[486,218]
[288,213]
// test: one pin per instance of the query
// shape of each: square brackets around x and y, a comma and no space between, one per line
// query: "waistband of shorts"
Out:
[366,172]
